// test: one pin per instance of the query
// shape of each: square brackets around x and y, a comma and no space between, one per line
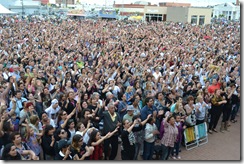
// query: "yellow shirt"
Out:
[112,117]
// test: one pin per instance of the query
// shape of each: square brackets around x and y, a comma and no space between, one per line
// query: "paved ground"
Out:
[220,146]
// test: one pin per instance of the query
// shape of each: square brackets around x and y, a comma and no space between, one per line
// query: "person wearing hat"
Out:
[53,110]
[130,113]
[64,153]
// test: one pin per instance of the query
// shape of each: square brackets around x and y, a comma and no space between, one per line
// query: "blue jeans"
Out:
[166,151]
[148,150]
[137,149]
[234,111]
[176,148]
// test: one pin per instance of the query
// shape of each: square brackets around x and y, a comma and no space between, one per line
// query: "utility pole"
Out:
[22,5]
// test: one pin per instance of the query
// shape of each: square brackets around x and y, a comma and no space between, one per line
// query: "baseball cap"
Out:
[62,144]
[130,108]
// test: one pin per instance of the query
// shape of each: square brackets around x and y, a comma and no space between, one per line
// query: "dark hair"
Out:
[148,99]
[12,135]
[6,125]
[158,94]
[43,113]
[170,118]
[7,156]
[92,137]
[57,132]
[47,129]
[76,138]
[150,120]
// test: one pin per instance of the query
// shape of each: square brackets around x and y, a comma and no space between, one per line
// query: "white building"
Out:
[28,7]
[230,11]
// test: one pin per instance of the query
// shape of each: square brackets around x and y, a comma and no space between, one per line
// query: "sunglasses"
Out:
[62,132]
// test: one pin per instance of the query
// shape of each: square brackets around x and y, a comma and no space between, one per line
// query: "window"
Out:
[194,19]
[201,19]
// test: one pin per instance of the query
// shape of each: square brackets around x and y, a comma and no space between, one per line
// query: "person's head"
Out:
[80,126]
[15,138]
[71,124]
[40,74]
[49,130]
[214,81]
[111,108]
[44,116]
[85,113]
[149,101]
[171,120]
[63,145]
[151,120]
[45,91]
[77,141]
[68,83]
[199,99]
[217,92]
[126,124]
[54,103]
[159,96]
[135,102]
[95,135]
[177,118]
[111,82]
[18,94]
[61,133]
[130,110]
[10,152]
[129,89]
[7,125]
[84,105]
[179,99]
[169,95]
[29,106]
[34,119]
[124,97]
[190,99]
[71,95]
[109,95]
[97,95]
[94,100]
[178,106]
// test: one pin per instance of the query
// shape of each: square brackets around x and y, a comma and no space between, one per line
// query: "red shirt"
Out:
[97,153]
[212,88]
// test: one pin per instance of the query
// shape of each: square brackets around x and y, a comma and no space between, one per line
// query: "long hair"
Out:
[92,137]
[6,150]
[75,142]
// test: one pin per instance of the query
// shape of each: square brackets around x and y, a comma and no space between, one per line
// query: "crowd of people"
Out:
[78,89]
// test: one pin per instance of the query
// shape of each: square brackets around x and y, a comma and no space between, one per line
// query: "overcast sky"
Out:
[193,2]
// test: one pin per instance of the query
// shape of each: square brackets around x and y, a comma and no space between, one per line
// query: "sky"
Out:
[193,2]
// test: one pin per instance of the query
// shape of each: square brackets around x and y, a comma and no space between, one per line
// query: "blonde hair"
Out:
[128,89]
[198,98]
[177,105]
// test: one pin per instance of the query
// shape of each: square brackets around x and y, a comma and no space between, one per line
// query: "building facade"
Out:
[194,15]
[130,9]
[229,11]
[155,13]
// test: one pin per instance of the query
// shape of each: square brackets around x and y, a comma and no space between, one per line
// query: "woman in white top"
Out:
[151,131]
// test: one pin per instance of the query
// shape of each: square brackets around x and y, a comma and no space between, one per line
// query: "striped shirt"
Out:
[170,134]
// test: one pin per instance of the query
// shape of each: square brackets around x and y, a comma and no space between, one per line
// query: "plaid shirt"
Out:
[170,134]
